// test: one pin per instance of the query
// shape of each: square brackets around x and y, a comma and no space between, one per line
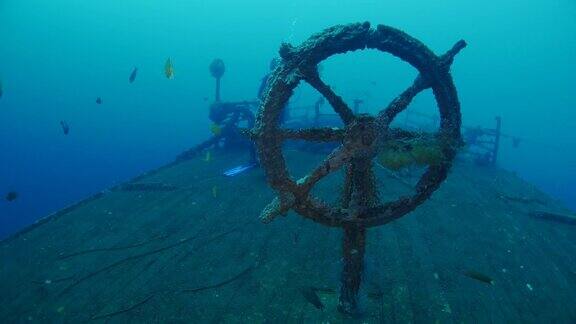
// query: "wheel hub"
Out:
[361,136]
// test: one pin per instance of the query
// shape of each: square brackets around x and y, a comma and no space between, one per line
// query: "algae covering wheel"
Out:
[363,136]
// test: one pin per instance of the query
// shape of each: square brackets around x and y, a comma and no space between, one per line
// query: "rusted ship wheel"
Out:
[361,138]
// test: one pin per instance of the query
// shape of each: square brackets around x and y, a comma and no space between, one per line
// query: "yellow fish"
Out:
[216,129]
[208,157]
[169,69]
[214,191]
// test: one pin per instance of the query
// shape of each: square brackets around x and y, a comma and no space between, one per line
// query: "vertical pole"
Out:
[354,242]
[353,247]
[217,96]
[496,140]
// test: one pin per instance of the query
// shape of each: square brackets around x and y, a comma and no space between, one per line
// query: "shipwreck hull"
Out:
[184,244]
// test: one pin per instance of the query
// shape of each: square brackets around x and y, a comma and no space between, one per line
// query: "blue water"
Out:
[57,57]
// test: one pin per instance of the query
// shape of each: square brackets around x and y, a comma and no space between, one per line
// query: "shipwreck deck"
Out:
[183,244]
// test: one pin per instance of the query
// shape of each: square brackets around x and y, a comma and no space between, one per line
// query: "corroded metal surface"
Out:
[360,139]
[362,135]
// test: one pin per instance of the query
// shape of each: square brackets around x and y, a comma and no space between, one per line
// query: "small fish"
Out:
[208,156]
[214,191]
[98,101]
[65,127]
[133,75]
[311,297]
[11,196]
[479,276]
[169,69]
[216,129]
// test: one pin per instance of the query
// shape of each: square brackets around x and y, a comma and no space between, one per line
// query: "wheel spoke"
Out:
[324,134]
[364,187]
[333,162]
[335,101]
[404,137]
[347,188]
[423,138]
[400,103]
[400,134]
[447,59]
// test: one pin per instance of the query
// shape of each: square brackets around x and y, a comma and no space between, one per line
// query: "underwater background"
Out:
[57,57]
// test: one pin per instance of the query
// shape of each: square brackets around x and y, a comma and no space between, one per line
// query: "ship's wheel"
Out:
[362,135]
[361,138]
